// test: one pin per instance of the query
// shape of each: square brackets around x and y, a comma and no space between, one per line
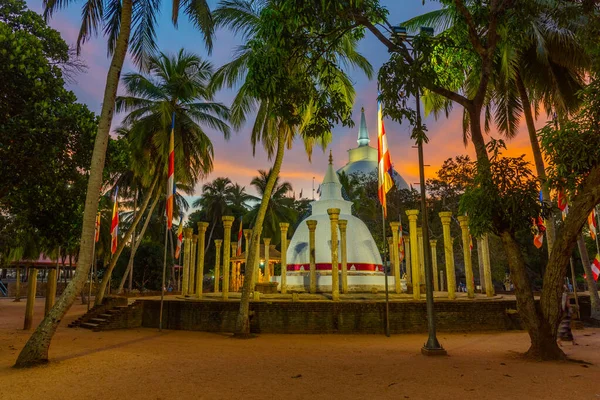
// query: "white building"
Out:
[364,261]
[363,159]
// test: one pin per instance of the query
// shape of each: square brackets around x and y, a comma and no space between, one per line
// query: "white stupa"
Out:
[363,158]
[364,262]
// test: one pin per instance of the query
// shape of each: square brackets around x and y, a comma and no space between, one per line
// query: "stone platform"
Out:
[317,314]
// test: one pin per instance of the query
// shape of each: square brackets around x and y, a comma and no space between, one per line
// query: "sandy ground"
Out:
[146,364]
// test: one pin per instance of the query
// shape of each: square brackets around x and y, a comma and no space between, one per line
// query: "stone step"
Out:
[113,311]
[120,307]
[89,325]
[105,315]
[97,320]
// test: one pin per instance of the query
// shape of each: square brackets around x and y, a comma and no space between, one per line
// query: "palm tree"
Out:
[279,120]
[123,22]
[176,86]
[281,206]
[215,202]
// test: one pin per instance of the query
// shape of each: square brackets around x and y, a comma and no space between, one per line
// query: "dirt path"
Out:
[146,364]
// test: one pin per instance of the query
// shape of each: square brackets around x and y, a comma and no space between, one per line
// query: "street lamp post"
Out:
[432,346]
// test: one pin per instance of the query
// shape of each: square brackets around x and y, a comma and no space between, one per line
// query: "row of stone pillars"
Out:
[414,256]
[193,260]
[336,223]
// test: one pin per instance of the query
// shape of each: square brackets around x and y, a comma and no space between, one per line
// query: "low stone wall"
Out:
[333,317]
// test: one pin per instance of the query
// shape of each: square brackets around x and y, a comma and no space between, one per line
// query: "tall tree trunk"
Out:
[140,237]
[543,339]
[541,327]
[121,246]
[581,205]
[131,254]
[538,159]
[592,287]
[242,327]
[36,349]
[212,229]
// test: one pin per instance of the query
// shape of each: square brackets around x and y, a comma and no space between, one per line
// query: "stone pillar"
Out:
[464,227]
[234,271]
[218,243]
[395,255]
[442,281]
[487,268]
[187,253]
[343,224]
[227,223]
[433,245]
[312,226]
[51,290]
[421,254]
[334,214]
[407,259]
[202,227]
[283,227]
[31,289]
[267,274]
[480,263]
[414,252]
[192,284]
[446,217]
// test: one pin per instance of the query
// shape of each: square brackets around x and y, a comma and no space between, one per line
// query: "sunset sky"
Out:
[234,158]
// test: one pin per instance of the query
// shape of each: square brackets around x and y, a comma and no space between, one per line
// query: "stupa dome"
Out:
[364,261]
[363,159]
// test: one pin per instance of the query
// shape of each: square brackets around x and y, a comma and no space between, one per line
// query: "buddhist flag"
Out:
[385,181]
[179,238]
[171,175]
[114,226]
[239,241]
[538,231]
[97,228]
[563,204]
[593,224]
[596,267]
[400,243]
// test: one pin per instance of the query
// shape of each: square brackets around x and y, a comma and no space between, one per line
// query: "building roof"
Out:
[274,255]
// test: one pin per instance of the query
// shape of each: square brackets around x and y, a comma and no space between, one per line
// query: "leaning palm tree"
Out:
[281,207]
[176,86]
[129,26]
[278,118]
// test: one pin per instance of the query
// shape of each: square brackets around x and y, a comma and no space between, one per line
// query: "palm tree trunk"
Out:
[212,229]
[133,239]
[538,159]
[139,238]
[115,257]
[36,349]
[242,328]
[589,278]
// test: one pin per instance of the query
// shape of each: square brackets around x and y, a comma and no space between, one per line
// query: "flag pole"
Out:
[164,273]
[387,296]
[596,221]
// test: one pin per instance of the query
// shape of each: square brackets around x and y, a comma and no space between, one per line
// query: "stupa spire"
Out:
[363,133]
[331,188]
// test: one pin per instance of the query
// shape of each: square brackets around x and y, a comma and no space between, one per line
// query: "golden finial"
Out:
[362,109]
[330,158]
